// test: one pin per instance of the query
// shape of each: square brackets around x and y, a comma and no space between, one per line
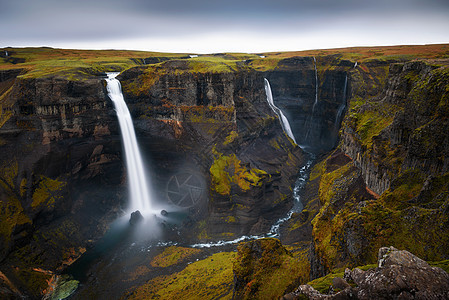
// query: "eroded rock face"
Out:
[261,265]
[66,181]
[399,275]
[311,96]
[398,154]
[222,125]
[412,107]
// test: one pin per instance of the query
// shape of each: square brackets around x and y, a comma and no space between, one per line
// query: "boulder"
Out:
[399,275]
[136,218]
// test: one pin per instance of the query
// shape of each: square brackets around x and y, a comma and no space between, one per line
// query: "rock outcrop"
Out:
[265,269]
[399,275]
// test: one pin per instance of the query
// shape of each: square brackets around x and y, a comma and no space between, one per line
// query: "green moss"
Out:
[405,187]
[230,219]
[230,138]
[210,278]
[264,269]
[47,192]
[212,64]
[75,64]
[36,281]
[444,264]
[64,289]
[317,170]
[11,209]
[173,255]
[11,215]
[265,64]
[371,122]
[202,230]
[227,170]
[328,184]
[323,284]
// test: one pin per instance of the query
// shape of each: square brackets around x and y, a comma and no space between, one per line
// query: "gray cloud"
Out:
[55,21]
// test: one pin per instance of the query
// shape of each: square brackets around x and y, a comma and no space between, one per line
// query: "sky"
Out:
[210,26]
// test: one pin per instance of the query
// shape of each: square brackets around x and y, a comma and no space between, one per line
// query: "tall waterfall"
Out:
[139,190]
[284,122]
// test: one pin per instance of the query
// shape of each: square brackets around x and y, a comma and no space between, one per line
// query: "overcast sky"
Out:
[206,26]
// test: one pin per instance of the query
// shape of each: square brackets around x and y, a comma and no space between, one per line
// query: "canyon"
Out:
[372,120]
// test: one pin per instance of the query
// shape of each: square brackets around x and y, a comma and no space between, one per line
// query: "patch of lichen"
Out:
[329,184]
[228,170]
[207,114]
[47,192]
[265,269]
[370,120]
[210,278]
[404,188]
[230,138]
[147,77]
[36,281]
[173,255]
[358,229]
[73,64]
[12,212]
[323,284]
[444,264]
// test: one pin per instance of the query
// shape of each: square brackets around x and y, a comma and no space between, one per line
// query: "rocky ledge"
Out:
[399,275]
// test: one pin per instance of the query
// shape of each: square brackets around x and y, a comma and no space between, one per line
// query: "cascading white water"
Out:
[282,118]
[6,53]
[316,99]
[342,105]
[316,86]
[139,190]
[355,65]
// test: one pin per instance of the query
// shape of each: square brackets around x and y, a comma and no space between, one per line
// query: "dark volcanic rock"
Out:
[136,218]
[399,275]
[296,86]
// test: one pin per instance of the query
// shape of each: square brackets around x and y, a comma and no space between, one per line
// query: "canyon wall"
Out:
[63,178]
[386,183]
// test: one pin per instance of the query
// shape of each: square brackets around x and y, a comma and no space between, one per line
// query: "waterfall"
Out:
[139,190]
[316,100]
[355,65]
[284,122]
[6,53]
[316,86]
[342,105]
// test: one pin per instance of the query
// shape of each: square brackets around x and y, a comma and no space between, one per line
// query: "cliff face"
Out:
[61,173]
[394,177]
[222,122]
[312,92]
[63,179]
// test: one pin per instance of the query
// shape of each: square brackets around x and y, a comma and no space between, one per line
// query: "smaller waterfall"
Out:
[284,122]
[6,53]
[355,65]
[316,86]
[316,100]
[139,190]
[342,105]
